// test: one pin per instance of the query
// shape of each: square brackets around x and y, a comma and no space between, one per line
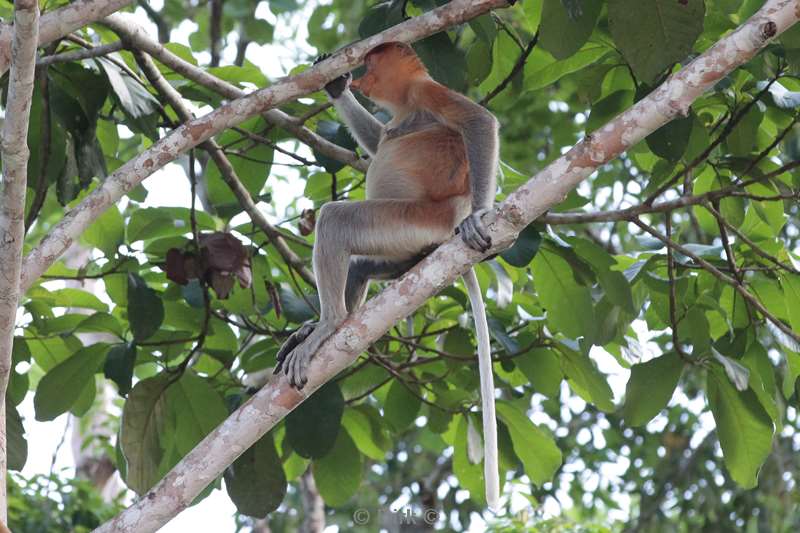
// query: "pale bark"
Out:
[60,22]
[550,186]
[12,197]
[137,37]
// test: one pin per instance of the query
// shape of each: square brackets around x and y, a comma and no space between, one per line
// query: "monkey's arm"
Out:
[365,128]
[479,129]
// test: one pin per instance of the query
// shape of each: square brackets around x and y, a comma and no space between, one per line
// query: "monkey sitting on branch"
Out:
[433,169]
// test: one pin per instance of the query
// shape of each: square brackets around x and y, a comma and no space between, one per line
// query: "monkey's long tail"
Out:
[490,467]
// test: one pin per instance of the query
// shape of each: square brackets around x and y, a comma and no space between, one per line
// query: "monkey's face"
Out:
[387,79]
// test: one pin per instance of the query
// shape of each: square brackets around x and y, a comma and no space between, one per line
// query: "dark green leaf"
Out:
[563,33]
[650,388]
[256,482]
[533,445]
[16,445]
[119,366]
[145,309]
[401,406]
[524,248]
[654,34]
[311,429]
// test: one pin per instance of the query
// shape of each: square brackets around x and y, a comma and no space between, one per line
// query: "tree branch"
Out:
[15,155]
[56,24]
[77,55]
[226,170]
[276,399]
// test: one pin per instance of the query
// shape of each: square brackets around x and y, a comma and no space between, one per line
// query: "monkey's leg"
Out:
[394,228]
[363,269]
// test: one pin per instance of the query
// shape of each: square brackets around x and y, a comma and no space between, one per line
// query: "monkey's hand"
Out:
[474,232]
[336,87]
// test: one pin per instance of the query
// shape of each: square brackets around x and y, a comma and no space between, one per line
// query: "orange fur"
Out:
[429,164]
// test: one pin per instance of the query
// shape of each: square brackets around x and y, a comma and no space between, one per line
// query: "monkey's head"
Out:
[391,69]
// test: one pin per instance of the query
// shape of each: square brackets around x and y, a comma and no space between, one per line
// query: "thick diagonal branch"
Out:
[276,399]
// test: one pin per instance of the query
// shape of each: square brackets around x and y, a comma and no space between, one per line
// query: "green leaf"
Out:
[197,409]
[586,380]
[569,305]
[107,232]
[338,474]
[744,428]
[533,445]
[791,374]
[650,388]
[538,76]
[61,387]
[131,95]
[742,139]
[543,369]
[791,289]
[445,61]
[613,282]
[366,433]
[654,34]
[119,366]
[16,445]
[670,140]
[311,429]
[144,418]
[401,406]
[563,33]
[256,482]
[524,248]
[145,309]
[762,379]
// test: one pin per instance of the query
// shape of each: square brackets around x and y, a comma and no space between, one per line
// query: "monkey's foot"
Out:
[291,343]
[474,232]
[295,360]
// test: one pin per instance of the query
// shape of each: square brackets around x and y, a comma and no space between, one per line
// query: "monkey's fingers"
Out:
[322,57]
[294,340]
[474,233]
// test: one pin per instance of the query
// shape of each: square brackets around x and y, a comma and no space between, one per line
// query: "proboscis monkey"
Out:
[433,170]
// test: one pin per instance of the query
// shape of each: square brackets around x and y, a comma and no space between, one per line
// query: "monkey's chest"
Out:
[429,163]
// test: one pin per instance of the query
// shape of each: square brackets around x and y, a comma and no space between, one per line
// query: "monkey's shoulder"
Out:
[416,121]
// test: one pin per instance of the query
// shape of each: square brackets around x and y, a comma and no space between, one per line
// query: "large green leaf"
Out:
[401,406]
[107,232]
[367,432]
[311,429]
[197,409]
[569,305]
[62,386]
[469,474]
[654,34]
[256,482]
[543,368]
[119,364]
[650,388]
[538,76]
[145,309]
[744,428]
[586,380]
[533,445]
[338,474]
[144,418]
[563,32]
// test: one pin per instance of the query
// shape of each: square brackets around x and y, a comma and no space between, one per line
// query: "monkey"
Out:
[433,171]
